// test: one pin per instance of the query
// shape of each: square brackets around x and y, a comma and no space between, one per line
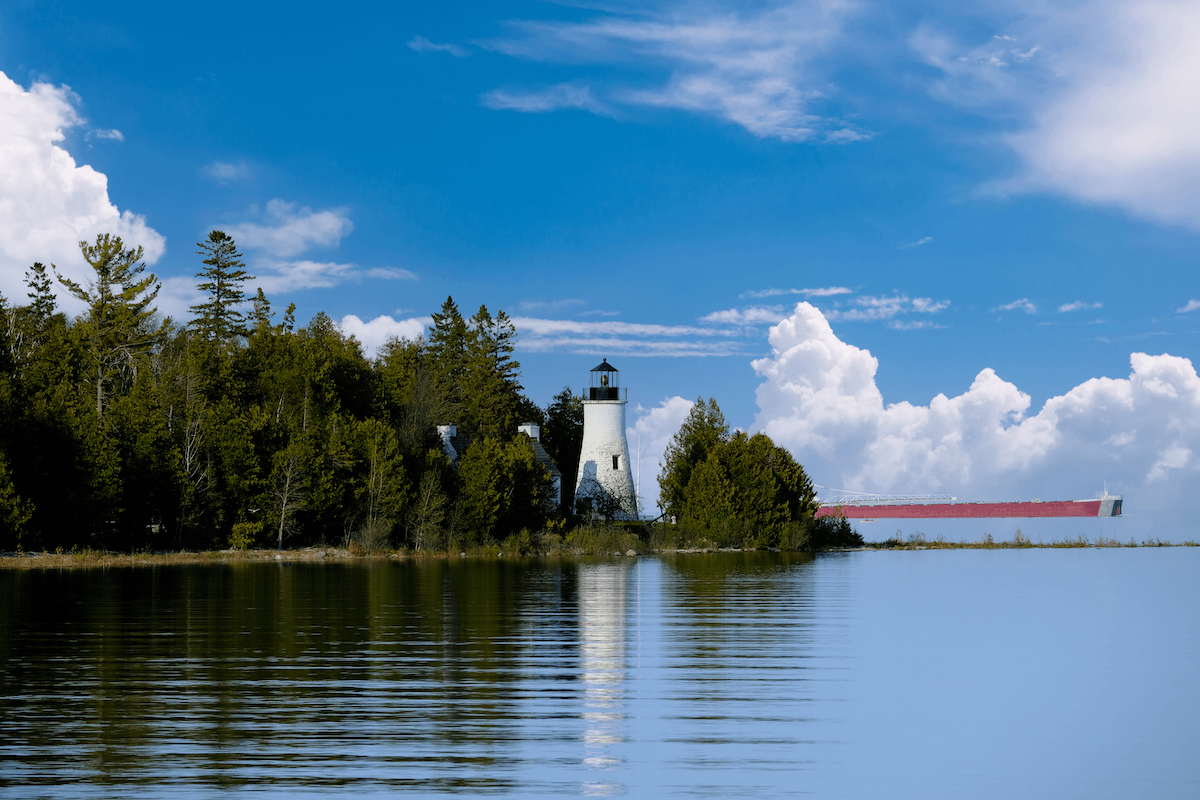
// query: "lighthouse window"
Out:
[615,461]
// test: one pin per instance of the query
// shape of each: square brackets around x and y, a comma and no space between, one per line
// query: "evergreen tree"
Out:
[448,356]
[218,320]
[504,489]
[41,299]
[701,433]
[261,313]
[492,393]
[562,437]
[117,325]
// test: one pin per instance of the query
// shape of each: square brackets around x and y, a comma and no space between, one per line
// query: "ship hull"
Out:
[1104,507]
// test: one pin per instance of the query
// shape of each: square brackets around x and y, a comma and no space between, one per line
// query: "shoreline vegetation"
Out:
[236,430]
[588,541]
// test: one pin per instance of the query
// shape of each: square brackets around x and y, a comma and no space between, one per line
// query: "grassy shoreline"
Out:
[97,558]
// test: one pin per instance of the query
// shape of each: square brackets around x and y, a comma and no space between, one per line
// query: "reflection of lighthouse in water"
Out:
[602,631]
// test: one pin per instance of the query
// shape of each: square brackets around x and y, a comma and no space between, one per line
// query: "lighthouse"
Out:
[605,482]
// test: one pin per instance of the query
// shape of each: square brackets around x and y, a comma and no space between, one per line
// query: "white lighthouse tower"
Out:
[605,479]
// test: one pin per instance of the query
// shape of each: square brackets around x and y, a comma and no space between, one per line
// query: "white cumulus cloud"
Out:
[1140,433]
[1078,305]
[1191,306]
[48,203]
[375,332]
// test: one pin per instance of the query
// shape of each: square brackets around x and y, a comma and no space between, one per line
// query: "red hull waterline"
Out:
[1106,507]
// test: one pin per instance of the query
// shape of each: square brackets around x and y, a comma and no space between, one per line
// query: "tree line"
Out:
[123,430]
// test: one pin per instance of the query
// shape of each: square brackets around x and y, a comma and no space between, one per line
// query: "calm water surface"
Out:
[1069,673]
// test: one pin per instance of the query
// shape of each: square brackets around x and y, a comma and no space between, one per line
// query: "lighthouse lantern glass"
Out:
[606,382]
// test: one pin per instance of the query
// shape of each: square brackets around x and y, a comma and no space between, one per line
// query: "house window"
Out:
[615,462]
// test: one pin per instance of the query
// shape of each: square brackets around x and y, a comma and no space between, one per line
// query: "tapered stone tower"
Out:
[605,482]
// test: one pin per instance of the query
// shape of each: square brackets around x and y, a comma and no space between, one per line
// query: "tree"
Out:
[218,320]
[703,431]
[385,490]
[290,486]
[261,313]
[504,488]
[15,511]
[428,509]
[117,326]
[491,392]
[740,489]
[407,394]
[41,299]
[563,439]
[447,357]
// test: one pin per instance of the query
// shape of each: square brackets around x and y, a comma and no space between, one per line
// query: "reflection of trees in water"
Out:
[306,674]
[602,649]
[753,610]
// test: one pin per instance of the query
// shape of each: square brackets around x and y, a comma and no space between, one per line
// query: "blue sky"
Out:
[1009,187]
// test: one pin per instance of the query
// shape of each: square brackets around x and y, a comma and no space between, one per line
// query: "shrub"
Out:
[245,535]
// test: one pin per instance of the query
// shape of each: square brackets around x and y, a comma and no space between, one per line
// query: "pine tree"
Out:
[117,326]
[41,299]
[492,393]
[262,310]
[447,357]
[218,320]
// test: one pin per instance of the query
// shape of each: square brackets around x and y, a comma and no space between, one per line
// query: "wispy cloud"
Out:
[564,95]
[226,172]
[1023,304]
[423,45]
[390,274]
[552,306]
[291,230]
[755,69]
[755,315]
[1078,305]
[1100,93]
[1192,305]
[913,325]
[290,276]
[828,291]
[919,242]
[869,309]
[286,231]
[112,133]
[626,338]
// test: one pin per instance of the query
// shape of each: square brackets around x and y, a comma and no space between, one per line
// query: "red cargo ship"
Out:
[918,507]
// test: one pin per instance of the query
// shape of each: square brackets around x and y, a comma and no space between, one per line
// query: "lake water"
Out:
[1010,673]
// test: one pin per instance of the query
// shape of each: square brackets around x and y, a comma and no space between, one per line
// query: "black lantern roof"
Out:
[604,367]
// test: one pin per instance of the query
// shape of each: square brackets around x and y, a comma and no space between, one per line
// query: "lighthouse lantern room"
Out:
[606,382]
